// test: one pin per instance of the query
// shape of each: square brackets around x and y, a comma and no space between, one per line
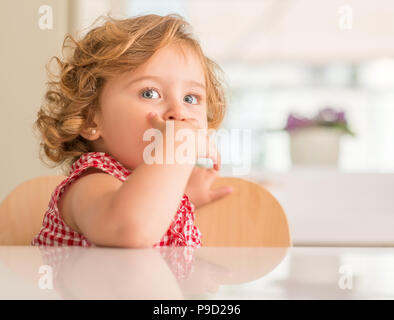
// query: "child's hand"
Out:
[202,150]
[199,190]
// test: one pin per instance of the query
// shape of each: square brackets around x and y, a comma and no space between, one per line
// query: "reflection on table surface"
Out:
[196,273]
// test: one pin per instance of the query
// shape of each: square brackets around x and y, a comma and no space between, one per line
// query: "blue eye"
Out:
[190,95]
[149,91]
[152,93]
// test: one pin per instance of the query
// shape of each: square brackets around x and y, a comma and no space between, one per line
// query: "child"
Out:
[123,78]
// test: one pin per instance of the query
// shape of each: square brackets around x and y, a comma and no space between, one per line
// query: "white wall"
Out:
[24,51]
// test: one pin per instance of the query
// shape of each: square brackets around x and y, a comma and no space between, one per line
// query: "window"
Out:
[276,61]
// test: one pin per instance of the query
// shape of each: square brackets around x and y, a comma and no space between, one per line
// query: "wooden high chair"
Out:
[22,211]
[250,216]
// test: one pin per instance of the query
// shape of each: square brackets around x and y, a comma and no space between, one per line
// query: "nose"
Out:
[174,112]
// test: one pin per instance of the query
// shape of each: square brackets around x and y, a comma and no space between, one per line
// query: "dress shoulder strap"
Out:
[98,160]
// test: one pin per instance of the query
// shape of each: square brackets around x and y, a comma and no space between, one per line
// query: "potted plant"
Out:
[315,141]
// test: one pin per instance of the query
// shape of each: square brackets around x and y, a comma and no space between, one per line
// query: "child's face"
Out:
[126,101]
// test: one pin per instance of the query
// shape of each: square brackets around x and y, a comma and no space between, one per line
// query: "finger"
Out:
[211,173]
[152,117]
[207,153]
[216,159]
[194,122]
[219,165]
[215,155]
[218,193]
[154,120]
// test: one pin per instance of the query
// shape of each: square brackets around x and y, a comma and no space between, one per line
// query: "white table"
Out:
[204,273]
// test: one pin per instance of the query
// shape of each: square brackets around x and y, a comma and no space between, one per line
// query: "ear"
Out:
[92,131]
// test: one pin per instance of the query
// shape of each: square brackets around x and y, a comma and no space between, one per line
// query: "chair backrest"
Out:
[250,216]
[22,211]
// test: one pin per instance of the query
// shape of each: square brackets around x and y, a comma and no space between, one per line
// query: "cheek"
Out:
[202,118]
[123,137]
[122,126]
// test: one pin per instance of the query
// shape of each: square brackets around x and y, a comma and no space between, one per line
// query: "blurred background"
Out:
[301,75]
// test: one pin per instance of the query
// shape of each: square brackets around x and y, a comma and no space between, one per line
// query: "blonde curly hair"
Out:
[110,49]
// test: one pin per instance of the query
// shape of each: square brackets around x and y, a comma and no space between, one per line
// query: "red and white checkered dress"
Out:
[55,232]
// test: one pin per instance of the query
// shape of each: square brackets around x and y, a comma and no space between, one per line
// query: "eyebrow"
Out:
[160,79]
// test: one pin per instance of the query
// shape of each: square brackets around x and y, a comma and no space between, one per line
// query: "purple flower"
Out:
[329,116]
[294,122]
[341,117]
[325,117]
